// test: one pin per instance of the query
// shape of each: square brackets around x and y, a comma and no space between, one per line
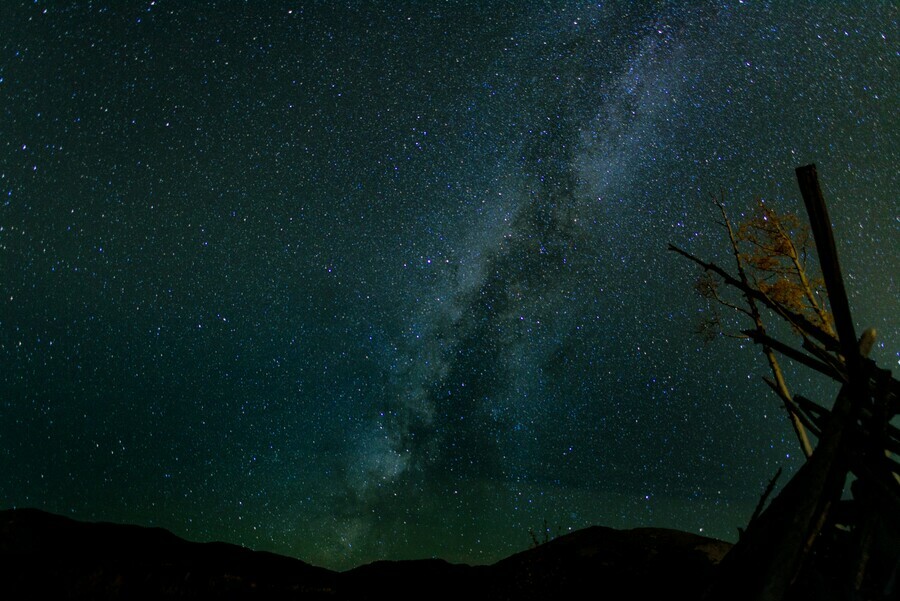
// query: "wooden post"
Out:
[831,269]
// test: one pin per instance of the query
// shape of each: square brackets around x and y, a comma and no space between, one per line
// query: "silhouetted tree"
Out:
[771,255]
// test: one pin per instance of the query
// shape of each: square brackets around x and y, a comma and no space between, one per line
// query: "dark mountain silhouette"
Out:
[42,554]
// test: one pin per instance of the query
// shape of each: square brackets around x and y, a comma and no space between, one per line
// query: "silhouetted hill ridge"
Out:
[47,554]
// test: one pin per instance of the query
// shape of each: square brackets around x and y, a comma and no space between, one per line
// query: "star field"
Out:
[350,281]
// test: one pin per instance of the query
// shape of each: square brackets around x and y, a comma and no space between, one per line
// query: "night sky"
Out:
[359,280]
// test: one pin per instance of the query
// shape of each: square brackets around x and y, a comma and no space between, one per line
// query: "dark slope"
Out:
[645,563]
[42,554]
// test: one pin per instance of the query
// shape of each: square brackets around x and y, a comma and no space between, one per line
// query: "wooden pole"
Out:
[820,224]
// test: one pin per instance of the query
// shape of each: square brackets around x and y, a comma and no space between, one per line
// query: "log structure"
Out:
[809,543]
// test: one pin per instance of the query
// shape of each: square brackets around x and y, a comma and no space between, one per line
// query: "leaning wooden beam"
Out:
[791,353]
[826,250]
[793,408]
[763,565]
[817,413]
[878,425]
[826,357]
[765,496]
[800,321]
[808,421]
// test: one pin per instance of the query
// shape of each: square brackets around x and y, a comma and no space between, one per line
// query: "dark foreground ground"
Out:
[42,554]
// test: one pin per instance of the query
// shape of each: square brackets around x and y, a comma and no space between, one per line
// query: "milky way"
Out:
[390,280]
